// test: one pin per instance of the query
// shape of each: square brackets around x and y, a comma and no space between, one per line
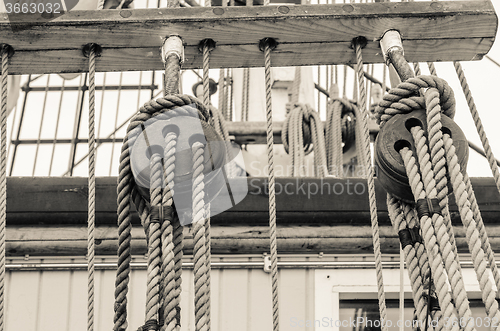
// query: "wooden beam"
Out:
[292,239]
[54,201]
[255,132]
[307,34]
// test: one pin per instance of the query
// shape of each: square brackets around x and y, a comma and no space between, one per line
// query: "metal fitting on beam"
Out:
[390,42]
[172,45]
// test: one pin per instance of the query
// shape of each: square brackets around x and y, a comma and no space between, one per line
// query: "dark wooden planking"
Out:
[63,201]
[292,239]
[309,34]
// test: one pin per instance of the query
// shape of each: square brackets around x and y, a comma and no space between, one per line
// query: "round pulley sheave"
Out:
[396,133]
[149,138]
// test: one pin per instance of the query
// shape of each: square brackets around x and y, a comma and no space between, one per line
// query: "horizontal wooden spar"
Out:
[292,239]
[306,34]
[57,201]
[255,132]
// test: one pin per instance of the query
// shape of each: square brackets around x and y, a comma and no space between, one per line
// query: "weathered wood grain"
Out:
[292,239]
[307,34]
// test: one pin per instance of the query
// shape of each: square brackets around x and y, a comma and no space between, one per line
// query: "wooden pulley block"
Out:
[395,135]
[149,138]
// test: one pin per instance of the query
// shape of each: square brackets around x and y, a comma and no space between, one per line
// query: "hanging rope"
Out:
[154,245]
[302,127]
[429,237]
[267,45]
[171,105]
[472,233]
[365,158]
[5,50]
[93,52]
[245,95]
[172,66]
[493,166]
[446,252]
[219,123]
[168,283]
[418,268]
[339,132]
[201,300]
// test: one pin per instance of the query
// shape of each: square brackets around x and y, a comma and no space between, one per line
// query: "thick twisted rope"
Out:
[333,139]
[199,258]
[91,199]
[403,99]
[446,250]
[433,110]
[293,139]
[489,156]
[399,222]
[3,180]
[207,262]
[222,131]
[222,94]
[365,156]
[245,94]
[169,304]
[340,128]
[430,240]
[206,69]
[172,68]
[482,232]
[472,234]
[124,189]
[230,96]
[177,105]
[271,186]
[154,245]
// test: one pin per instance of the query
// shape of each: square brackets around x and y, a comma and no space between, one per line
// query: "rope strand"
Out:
[365,156]
[271,186]
[91,188]
[200,265]
[3,181]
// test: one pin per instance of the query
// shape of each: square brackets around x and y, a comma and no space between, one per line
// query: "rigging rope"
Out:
[493,166]
[3,179]
[302,127]
[365,158]
[168,283]
[434,163]
[198,190]
[267,45]
[91,185]
[174,105]
[201,300]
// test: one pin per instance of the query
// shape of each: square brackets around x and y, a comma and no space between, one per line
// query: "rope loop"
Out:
[303,112]
[406,98]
